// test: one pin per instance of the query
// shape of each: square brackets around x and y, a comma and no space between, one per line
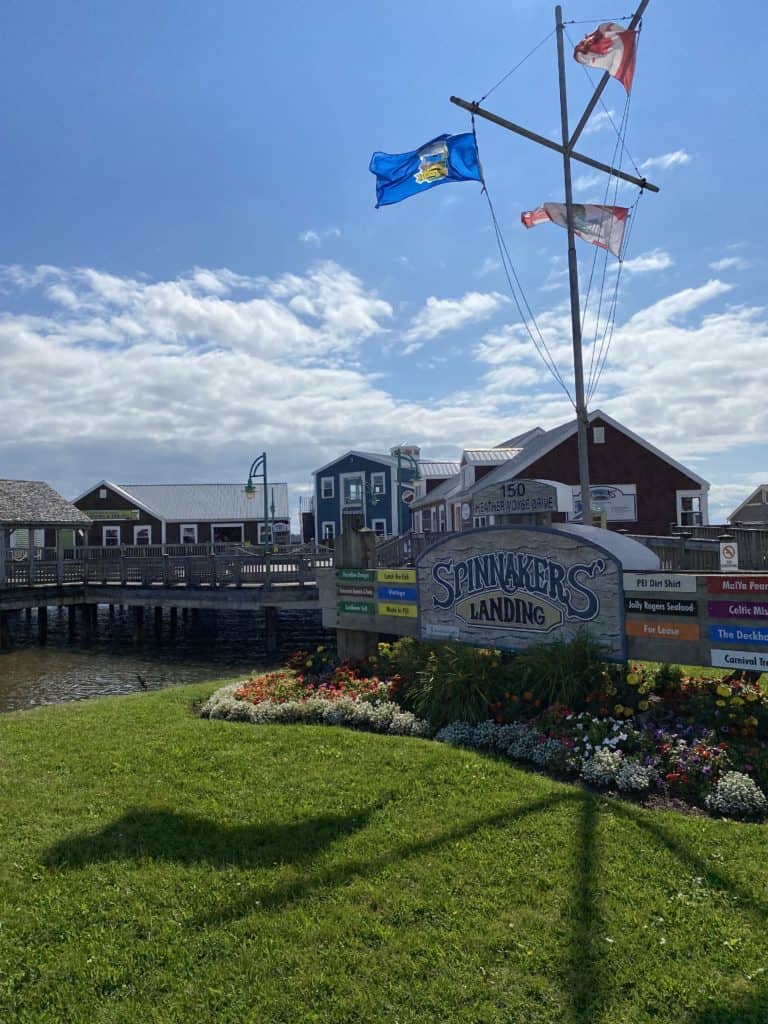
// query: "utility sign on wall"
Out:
[512,588]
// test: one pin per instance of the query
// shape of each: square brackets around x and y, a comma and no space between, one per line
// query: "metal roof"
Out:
[371,456]
[206,502]
[431,470]
[34,503]
[488,456]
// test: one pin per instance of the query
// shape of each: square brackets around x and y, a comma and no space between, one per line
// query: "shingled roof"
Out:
[34,503]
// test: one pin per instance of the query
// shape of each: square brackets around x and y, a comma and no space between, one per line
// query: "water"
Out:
[210,645]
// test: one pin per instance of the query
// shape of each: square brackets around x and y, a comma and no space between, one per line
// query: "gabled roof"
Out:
[442,492]
[389,460]
[543,443]
[487,456]
[522,439]
[34,503]
[757,502]
[433,470]
[201,502]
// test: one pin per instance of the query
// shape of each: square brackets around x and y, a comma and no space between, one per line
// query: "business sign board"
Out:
[514,587]
[738,586]
[618,501]
[521,497]
[113,513]
[659,583]
[757,610]
[729,555]
[738,635]
[660,606]
[750,661]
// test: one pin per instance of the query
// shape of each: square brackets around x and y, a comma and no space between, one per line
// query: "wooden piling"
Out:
[42,624]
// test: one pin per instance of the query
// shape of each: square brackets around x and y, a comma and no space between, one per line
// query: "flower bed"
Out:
[634,731]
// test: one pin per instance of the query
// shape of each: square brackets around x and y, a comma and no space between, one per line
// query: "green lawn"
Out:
[161,868]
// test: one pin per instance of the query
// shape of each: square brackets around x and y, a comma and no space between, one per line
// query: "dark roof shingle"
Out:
[34,503]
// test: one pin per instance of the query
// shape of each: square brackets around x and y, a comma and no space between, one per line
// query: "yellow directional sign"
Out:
[396,575]
[398,611]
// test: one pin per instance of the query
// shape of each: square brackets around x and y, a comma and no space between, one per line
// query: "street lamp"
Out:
[412,464]
[259,469]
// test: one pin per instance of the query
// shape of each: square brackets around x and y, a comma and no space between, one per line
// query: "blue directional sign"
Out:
[738,635]
[395,593]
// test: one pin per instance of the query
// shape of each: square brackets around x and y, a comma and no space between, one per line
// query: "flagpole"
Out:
[582,417]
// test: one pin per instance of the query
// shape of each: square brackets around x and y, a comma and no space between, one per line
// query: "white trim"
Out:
[387,460]
[142,526]
[379,473]
[357,474]
[187,526]
[332,495]
[598,435]
[757,498]
[703,509]
[383,523]
[123,494]
[323,536]
[228,526]
[104,536]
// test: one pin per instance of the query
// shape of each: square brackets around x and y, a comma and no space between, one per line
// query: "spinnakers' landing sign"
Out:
[514,587]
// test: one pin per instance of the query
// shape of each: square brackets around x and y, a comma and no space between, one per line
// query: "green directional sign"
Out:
[356,575]
[358,607]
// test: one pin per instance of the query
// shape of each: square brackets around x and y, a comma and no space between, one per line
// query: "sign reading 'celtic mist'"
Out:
[514,587]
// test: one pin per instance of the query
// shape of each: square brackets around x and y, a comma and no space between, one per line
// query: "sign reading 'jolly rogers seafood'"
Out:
[513,587]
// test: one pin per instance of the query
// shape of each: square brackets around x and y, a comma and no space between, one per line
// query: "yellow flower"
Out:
[751,695]
[643,705]
[633,679]
[618,709]
[751,721]
[720,703]
[308,663]
[737,701]
[628,712]
[320,649]
[723,690]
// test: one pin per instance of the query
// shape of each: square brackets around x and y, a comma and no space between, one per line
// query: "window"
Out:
[102,492]
[441,519]
[188,533]
[598,435]
[352,489]
[379,527]
[227,533]
[326,487]
[689,508]
[110,536]
[142,535]
[378,483]
[329,531]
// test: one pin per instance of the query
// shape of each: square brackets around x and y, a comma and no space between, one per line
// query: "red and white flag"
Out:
[611,48]
[599,225]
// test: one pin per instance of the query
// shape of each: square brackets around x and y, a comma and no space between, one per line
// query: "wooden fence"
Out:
[170,565]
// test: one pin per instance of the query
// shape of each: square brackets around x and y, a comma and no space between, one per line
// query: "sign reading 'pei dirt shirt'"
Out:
[515,587]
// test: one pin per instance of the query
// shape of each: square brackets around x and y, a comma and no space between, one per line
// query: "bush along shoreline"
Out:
[653,734]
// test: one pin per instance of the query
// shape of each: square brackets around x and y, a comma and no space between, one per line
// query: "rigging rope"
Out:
[505,77]
[509,270]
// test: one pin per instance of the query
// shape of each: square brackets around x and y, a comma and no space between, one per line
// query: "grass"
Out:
[161,868]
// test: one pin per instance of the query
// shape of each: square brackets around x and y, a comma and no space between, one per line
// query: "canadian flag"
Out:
[598,225]
[611,48]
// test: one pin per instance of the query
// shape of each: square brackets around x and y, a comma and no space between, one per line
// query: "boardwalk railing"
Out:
[189,565]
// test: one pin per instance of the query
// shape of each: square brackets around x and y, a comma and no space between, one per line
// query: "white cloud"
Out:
[439,315]
[317,237]
[599,121]
[655,260]
[730,263]
[667,160]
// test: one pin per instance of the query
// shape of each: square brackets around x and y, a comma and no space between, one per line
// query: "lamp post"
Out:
[259,469]
[412,464]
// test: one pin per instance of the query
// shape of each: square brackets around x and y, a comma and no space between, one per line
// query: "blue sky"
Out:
[193,270]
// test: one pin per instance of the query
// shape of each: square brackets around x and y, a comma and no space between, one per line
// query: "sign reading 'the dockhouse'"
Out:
[513,587]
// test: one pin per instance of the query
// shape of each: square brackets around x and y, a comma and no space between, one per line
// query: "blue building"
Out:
[378,487]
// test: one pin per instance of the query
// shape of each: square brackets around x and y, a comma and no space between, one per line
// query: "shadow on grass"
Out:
[188,839]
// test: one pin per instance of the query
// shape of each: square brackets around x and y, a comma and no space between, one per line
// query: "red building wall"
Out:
[620,460]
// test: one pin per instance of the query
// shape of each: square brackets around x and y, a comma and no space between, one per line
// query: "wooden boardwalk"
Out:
[194,575]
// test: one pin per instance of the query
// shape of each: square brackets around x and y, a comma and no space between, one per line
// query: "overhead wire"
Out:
[517,291]
[519,65]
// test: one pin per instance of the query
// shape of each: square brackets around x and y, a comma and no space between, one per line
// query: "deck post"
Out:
[158,620]
[59,556]
[355,549]
[42,623]
[138,625]
[271,629]
[5,633]
[4,541]
[71,612]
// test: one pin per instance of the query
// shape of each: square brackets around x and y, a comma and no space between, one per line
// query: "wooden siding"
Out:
[92,502]
[620,460]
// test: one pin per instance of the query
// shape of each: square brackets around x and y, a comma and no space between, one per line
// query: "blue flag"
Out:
[446,158]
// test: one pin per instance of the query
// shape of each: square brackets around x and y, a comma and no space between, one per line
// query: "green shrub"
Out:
[559,673]
[457,683]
